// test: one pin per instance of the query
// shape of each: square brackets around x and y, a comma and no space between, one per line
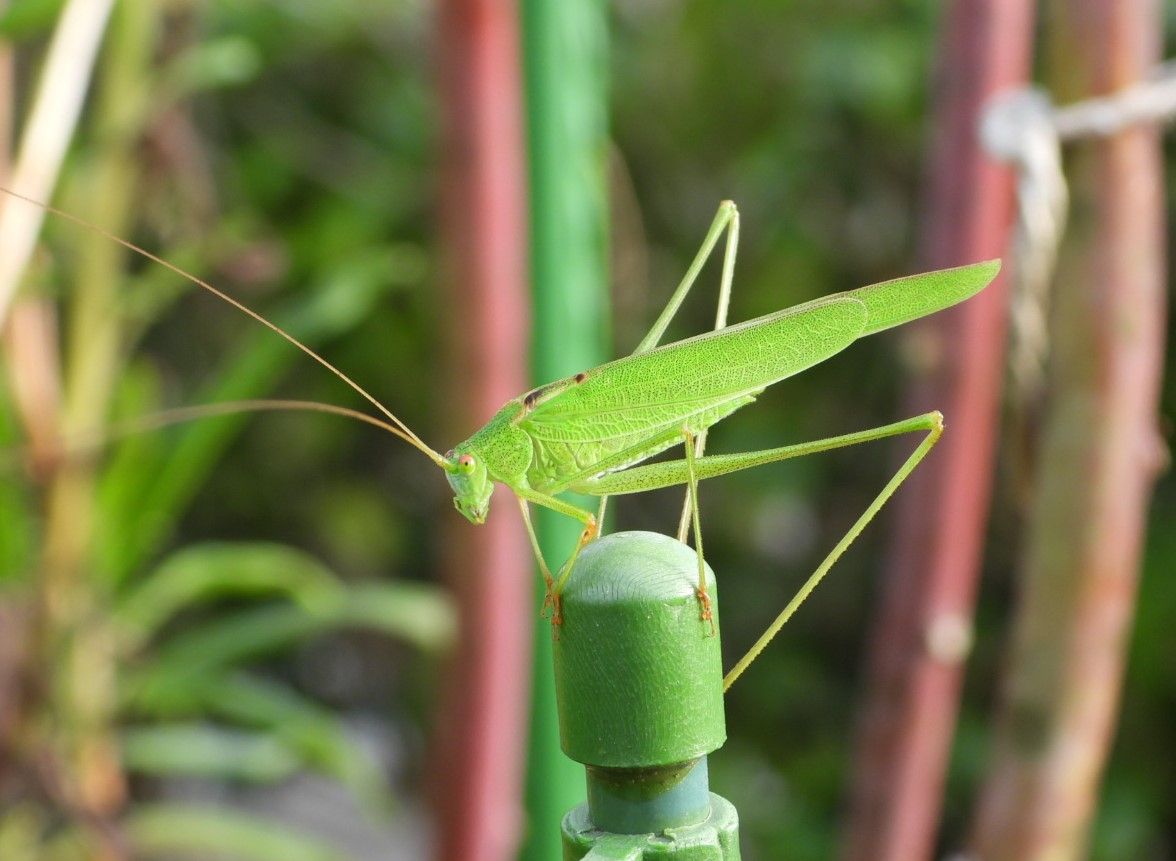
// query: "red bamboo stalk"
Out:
[1100,453]
[7,90]
[479,784]
[921,635]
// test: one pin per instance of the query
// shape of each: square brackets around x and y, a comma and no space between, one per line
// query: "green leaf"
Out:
[419,614]
[25,18]
[316,735]
[205,572]
[175,828]
[313,734]
[16,517]
[21,828]
[224,62]
[204,750]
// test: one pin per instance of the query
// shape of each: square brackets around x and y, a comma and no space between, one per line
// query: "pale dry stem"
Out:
[47,133]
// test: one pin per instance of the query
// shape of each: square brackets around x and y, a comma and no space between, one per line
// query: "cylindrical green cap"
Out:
[638,673]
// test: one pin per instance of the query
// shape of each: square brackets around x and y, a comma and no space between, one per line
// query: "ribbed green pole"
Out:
[564,64]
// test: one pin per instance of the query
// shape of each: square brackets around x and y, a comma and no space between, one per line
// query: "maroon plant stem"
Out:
[1100,452]
[919,643]
[484,315]
[7,90]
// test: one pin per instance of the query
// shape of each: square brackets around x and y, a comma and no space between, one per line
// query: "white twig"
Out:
[54,115]
[1018,128]
[1151,101]
[1023,128]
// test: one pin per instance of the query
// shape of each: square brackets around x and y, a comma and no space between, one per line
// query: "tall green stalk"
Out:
[565,70]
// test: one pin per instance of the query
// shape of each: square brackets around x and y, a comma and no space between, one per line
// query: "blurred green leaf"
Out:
[205,572]
[310,732]
[220,62]
[319,738]
[17,526]
[420,615]
[214,831]
[21,827]
[23,19]
[204,750]
[1124,825]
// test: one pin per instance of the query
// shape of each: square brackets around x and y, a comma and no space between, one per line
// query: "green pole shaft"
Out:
[564,65]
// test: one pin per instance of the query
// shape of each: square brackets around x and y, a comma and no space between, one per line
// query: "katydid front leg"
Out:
[548,580]
[591,529]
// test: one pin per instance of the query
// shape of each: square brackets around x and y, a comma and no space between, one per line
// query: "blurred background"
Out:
[271,636]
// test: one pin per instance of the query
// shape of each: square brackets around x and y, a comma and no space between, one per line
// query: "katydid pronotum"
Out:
[586,433]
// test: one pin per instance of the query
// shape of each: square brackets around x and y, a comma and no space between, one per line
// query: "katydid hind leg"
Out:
[670,473]
[908,466]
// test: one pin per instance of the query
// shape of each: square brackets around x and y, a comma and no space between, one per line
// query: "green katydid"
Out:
[587,433]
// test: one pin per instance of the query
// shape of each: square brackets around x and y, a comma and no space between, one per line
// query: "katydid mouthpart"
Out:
[587,433]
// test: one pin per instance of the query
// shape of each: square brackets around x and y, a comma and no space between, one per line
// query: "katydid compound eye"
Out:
[466,463]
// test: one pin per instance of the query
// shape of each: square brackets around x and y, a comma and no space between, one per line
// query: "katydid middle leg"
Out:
[704,602]
[690,470]
[725,220]
[690,503]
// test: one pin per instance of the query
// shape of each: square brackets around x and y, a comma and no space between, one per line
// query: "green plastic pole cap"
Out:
[638,672]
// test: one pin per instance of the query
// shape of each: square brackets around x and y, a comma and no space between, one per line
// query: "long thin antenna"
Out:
[406,432]
[179,415]
[84,445]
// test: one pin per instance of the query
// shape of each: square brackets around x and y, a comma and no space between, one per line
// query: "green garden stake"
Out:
[639,684]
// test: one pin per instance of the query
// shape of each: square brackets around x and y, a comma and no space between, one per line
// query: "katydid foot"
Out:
[704,608]
[554,596]
[549,603]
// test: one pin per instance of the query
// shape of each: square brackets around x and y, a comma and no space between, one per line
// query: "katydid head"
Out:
[471,485]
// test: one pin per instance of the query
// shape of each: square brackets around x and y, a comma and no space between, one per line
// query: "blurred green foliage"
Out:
[291,157]
[211,138]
